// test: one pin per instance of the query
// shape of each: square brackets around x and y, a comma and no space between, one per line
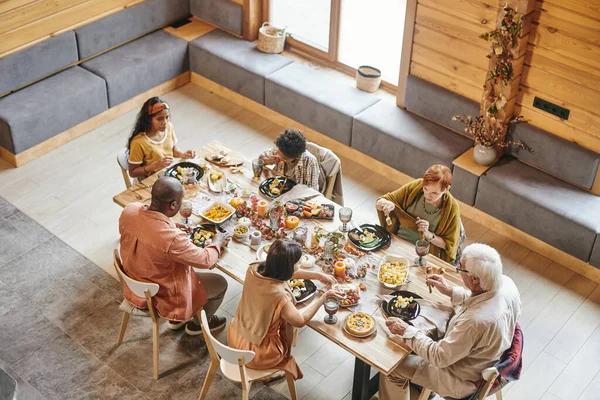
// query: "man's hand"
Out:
[440,283]
[184,227]
[221,239]
[270,160]
[396,325]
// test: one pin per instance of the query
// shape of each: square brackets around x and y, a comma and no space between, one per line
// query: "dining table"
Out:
[379,351]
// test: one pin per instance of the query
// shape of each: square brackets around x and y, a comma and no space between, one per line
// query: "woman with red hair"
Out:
[425,207]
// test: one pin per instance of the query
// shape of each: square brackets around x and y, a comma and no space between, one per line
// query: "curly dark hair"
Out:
[144,120]
[291,142]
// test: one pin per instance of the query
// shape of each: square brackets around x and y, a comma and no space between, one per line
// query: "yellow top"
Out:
[145,151]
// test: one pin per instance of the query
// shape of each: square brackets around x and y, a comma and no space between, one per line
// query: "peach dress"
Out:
[259,327]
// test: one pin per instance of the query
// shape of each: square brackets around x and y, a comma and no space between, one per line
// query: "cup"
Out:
[257,168]
[300,235]
[255,238]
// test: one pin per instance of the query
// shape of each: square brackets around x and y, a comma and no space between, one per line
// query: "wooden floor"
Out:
[69,192]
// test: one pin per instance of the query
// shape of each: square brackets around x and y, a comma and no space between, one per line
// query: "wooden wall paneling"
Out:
[33,12]
[591,8]
[451,25]
[252,17]
[451,83]
[567,21]
[561,88]
[570,72]
[477,12]
[577,49]
[451,46]
[57,23]
[448,65]
[8,5]
[408,38]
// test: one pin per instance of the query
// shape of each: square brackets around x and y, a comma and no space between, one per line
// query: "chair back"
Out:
[218,349]
[138,288]
[123,161]
[329,167]
[489,377]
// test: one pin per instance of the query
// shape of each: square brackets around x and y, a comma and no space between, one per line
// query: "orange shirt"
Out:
[154,250]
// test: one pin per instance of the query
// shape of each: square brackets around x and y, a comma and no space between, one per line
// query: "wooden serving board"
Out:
[232,163]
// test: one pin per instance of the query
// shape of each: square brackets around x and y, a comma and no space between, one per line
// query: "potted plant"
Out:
[489,136]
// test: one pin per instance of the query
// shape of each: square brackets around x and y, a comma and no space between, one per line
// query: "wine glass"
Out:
[422,249]
[257,168]
[331,306]
[345,214]
[186,211]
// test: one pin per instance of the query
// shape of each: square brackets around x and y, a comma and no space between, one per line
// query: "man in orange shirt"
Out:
[154,249]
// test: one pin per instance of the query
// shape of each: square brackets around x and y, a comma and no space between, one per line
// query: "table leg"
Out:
[363,388]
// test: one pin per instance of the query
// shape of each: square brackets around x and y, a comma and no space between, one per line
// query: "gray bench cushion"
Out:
[438,104]
[464,185]
[125,25]
[234,63]
[137,66]
[37,61]
[49,107]
[405,141]
[560,214]
[318,101]
[595,259]
[560,157]
[226,14]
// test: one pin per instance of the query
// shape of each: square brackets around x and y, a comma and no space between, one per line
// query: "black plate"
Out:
[264,186]
[407,314]
[206,227]
[384,237]
[311,288]
[172,170]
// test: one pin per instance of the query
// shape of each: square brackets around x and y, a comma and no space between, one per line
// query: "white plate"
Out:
[393,258]
[359,336]
[218,186]
[261,254]
[217,203]
[348,285]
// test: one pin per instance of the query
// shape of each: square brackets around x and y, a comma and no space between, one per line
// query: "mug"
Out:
[255,238]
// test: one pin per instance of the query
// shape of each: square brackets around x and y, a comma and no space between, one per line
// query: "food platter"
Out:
[408,314]
[370,237]
[302,293]
[202,234]
[360,336]
[351,294]
[176,171]
[217,212]
[393,271]
[309,209]
[275,186]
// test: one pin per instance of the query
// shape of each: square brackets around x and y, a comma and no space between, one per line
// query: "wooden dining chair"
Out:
[123,161]
[233,365]
[143,290]
[489,376]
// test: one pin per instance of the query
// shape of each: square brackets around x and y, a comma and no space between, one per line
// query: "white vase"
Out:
[484,155]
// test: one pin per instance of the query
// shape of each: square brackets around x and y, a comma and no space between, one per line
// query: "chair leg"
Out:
[424,394]
[124,322]
[291,385]
[155,348]
[499,395]
[212,370]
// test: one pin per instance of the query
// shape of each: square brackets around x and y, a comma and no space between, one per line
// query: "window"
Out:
[306,20]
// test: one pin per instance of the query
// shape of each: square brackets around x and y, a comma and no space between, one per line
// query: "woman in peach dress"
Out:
[267,319]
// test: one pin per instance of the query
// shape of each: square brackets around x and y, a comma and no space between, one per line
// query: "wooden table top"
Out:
[376,350]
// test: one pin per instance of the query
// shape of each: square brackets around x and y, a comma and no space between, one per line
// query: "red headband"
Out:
[157,107]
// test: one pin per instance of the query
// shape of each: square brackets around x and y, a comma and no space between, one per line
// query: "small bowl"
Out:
[241,236]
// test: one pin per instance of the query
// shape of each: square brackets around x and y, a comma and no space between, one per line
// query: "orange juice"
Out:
[339,269]
[262,208]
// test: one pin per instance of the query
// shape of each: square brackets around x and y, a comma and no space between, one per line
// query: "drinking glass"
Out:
[345,216]
[257,168]
[300,235]
[186,211]
[331,306]
[422,249]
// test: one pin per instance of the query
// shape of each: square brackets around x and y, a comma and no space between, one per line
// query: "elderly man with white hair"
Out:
[478,333]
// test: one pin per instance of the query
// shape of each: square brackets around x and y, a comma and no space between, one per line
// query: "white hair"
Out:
[483,262]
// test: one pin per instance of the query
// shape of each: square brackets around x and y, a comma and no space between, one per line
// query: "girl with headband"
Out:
[153,144]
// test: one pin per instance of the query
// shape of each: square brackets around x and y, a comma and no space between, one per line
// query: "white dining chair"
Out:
[489,376]
[143,290]
[123,161]
[233,365]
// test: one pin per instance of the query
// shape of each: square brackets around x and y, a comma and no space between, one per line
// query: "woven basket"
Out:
[368,78]
[270,39]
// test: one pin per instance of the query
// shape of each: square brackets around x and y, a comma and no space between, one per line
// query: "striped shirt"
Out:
[305,171]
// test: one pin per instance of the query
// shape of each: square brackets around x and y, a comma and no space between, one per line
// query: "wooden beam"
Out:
[56,141]
[191,31]
[467,162]
[406,54]
[252,17]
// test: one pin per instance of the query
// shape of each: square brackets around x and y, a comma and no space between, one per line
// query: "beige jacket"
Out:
[480,331]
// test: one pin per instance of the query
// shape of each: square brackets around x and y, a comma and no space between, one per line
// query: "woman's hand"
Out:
[396,325]
[440,283]
[327,279]
[160,164]
[189,154]
[333,293]
[385,206]
[422,225]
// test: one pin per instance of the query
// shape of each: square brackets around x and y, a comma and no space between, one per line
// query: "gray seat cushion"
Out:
[405,141]
[547,208]
[319,101]
[49,107]
[37,61]
[137,66]
[438,104]
[226,14]
[234,63]
[564,159]
[595,258]
[125,25]
[464,185]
